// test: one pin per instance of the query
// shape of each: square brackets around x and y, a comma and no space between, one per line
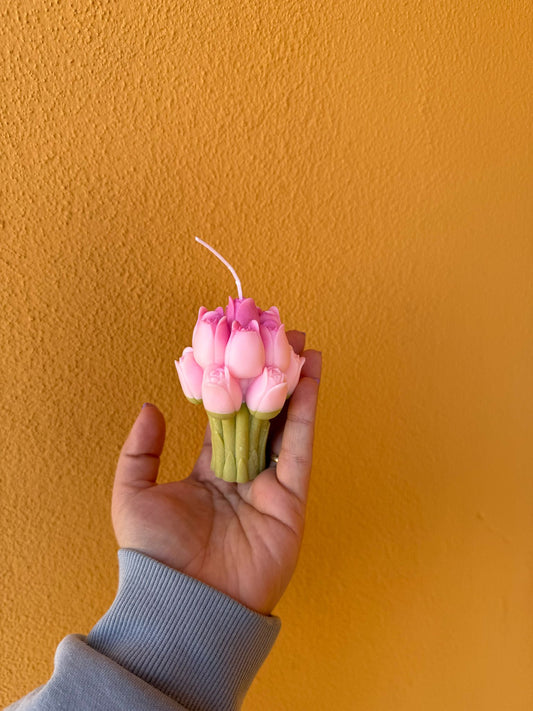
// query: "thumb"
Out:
[138,462]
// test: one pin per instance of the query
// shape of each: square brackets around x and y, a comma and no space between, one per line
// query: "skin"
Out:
[242,539]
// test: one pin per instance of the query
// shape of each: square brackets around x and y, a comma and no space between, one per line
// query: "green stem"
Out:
[263,434]
[238,444]
[217,445]
[253,454]
[255,429]
[230,470]
[242,425]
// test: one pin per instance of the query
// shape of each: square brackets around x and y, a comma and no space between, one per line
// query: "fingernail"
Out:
[147,404]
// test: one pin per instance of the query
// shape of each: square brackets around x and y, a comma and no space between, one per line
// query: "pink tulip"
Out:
[242,310]
[293,372]
[277,348]
[221,392]
[190,375]
[272,314]
[245,384]
[245,353]
[210,337]
[268,392]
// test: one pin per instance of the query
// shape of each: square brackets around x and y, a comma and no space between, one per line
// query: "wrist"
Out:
[194,643]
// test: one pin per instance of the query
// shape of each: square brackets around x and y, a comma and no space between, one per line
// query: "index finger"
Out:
[294,463]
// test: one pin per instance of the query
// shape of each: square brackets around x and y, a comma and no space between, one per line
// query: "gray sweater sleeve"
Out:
[168,642]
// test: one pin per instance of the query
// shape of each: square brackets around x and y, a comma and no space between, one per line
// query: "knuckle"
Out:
[300,460]
[140,455]
[300,419]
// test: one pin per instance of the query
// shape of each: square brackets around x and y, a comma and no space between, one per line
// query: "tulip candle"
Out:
[242,368]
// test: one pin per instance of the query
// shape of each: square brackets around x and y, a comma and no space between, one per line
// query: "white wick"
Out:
[225,262]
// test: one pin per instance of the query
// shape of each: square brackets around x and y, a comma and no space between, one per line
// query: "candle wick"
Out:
[225,262]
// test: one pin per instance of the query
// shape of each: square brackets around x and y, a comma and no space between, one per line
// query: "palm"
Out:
[241,539]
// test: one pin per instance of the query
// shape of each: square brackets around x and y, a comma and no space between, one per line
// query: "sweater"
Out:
[168,642]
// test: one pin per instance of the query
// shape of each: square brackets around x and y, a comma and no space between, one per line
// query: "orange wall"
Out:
[365,167]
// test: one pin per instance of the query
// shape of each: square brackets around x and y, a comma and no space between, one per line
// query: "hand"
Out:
[242,539]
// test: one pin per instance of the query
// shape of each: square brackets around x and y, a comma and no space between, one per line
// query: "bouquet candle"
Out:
[242,368]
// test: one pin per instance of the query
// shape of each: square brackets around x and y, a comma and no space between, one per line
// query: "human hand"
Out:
[242,539]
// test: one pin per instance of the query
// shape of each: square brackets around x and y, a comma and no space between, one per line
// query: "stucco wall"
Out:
[365,167]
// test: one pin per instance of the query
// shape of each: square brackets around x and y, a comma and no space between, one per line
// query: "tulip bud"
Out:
[293,372]
[277,347]
[245,384]
[271,314]
[242,310]
[210,337]
[190,375]
[245,353]
[267,393]
[221,392]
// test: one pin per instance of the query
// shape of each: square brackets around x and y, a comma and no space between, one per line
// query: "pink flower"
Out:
[190,375]
[277,348]
[242,310]
[245,353]
[245,383]
[210,337]
[268,392]
[293,372]
[272,314]
[221,392]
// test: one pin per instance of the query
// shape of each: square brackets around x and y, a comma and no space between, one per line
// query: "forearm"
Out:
[168,642]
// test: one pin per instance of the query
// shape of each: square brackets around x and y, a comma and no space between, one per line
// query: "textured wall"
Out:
[365,166]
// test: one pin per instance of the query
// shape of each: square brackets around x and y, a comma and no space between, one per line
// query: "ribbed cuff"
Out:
[190,641]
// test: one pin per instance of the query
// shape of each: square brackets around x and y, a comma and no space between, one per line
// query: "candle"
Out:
[243,369]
